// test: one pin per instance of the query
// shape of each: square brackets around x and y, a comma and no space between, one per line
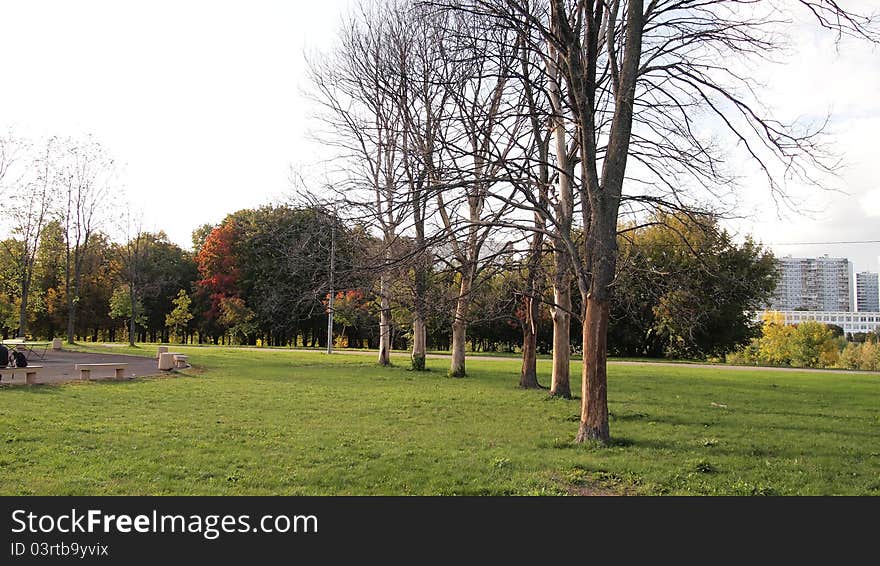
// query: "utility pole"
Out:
[332,291]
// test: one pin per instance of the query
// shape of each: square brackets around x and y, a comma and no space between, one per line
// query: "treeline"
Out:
[263,277]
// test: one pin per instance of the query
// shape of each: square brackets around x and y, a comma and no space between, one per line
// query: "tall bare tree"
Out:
[355,86]
[634,74]
[32,197]
[133,256]
[483,132]
[85,177]
[537,156]
[423,97]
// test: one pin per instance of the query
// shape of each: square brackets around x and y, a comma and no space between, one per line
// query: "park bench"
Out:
[17,376]
[180,361]
[86,370]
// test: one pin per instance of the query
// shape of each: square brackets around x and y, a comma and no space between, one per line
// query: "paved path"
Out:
[722,367]
[58,366]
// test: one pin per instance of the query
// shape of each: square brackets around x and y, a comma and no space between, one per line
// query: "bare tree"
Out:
[419,37]
[10,148]
[132,254]
[635,73]
[33,194]
[483,132]
[538,159]
[354,86]
[86,174]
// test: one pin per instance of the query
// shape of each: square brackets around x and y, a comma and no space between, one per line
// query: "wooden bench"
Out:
[86,370]
[180,361]
[29,374]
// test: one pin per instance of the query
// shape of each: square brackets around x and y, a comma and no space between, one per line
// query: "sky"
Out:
[202,104]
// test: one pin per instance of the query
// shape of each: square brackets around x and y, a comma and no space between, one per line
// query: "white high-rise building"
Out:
[814,284]
[867,292]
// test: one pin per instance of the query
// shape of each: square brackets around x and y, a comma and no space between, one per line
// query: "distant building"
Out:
[851,322]
[813,284]
[867,292]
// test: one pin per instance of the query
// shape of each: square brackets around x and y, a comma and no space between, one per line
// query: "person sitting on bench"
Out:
[18,359]
[4,356]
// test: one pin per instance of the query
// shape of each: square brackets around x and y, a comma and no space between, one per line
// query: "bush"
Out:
[849,358]
[806,345]
[869,356]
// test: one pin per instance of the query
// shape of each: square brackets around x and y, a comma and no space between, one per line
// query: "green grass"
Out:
[275,422]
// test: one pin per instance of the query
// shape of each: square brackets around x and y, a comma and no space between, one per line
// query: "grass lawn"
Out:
[298,423]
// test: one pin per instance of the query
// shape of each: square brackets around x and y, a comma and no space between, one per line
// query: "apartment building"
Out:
[867,292]
[814,284]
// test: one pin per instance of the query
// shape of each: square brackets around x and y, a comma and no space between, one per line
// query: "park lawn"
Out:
[298,423]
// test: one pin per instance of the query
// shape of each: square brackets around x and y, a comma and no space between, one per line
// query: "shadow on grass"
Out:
[568,443]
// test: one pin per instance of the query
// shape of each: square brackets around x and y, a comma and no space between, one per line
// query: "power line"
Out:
[824,243]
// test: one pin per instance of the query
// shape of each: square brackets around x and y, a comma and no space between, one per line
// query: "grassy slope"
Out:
[270,422]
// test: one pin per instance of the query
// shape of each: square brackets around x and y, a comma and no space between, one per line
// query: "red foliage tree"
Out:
[217,265]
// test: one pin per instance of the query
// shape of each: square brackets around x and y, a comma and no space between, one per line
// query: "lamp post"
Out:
[332,291]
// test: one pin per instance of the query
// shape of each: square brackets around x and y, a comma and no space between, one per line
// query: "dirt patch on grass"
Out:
[582,482]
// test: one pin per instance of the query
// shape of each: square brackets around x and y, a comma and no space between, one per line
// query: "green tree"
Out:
[238,319]
[178,319]
[121,307]
[686,289]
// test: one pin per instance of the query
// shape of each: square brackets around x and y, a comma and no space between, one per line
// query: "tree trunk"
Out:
[459,328]
[419,342]
[71,320]
[594,389]
[384,323]
[560,384]
[420,285]
[529,376]
[22,312]
[131,323]
[459,336]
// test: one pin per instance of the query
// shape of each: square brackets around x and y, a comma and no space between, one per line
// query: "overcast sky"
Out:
[201,100]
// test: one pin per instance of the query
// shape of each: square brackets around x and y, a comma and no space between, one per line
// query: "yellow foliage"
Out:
[773,317]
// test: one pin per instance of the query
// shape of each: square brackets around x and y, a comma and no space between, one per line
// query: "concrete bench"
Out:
[85,370]
[168,360]
[19,376]
[180,361]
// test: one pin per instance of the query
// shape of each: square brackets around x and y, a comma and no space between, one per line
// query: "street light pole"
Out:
[332,291]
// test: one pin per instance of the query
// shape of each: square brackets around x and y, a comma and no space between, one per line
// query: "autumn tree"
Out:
[217,265]
[48,285]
